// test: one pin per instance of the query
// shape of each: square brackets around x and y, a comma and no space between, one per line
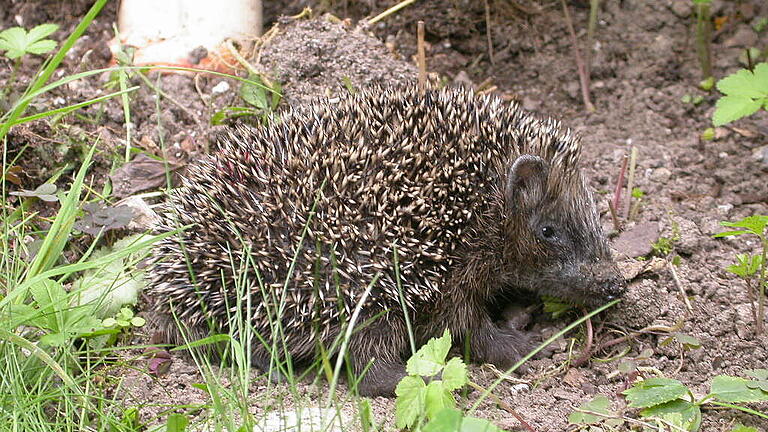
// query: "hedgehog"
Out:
[437,205]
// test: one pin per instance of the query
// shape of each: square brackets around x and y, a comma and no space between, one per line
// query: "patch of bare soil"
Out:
[644,62]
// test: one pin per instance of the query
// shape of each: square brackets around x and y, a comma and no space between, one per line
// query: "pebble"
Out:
[221,87]
[681,8]
[744,37]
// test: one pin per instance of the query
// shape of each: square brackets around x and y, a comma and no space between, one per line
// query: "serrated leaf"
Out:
[454,374]
[411,392]
[679,412]
[654,391]
[755,224]
[741,83]
[447,420]
[41,31]
[430,358]
[437,397]
[734,389]
[600,404]
[732,108]
[41,47]
[48,293]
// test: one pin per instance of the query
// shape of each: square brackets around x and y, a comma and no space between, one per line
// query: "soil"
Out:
[643,64]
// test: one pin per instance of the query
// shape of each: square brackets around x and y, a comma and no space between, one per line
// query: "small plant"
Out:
[432,407]
[751,268]
[263,96]
[745,93]
[17,43]
[668,403]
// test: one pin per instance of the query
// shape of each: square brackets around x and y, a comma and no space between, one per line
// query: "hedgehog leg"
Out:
[502,347]
[383,343]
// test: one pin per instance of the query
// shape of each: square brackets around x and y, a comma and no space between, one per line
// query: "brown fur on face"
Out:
[476,197]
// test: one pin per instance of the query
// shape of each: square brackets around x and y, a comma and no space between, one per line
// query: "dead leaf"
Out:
[140,174]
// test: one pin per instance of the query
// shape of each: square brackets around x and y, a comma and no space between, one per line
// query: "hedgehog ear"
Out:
[526,182]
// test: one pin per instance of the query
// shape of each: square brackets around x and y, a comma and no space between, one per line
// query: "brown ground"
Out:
[644,63]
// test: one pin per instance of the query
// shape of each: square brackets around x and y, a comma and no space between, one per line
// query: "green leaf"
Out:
[436,398]
[42,31]
[447,420]
[55,339]
[176,423]
[732,108]
[41,47]
[452,420]
[755,224]
[455,374]
[255,94]
[600,404]
[411,392]
[688,341]
[654,391]
[13,40]
[138,321]
[430,358]
[741,83]
[679,412]
[747,265]
[742,428]
[736,390]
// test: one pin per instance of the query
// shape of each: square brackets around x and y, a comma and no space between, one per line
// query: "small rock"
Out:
[744,37]
[462,78]
[760,154]
[530,103]
[681,8]
[572,89]
[221,87]
[519,388]
[638,240]
[690,236]
[661,175]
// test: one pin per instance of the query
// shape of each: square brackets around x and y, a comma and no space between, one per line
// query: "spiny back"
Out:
[422,172]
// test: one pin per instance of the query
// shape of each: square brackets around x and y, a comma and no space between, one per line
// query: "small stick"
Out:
[594,6]
[679,286]
[630,180]
[505,406]
[488,31]
[422,57]
[390,11]
[587,352]
[619,181]
[583,77]
[614,217]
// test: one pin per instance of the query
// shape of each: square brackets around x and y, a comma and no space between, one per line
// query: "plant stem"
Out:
[594,6]
[583,72]
[761,289]
[703,38]
[422,57]
[390,11]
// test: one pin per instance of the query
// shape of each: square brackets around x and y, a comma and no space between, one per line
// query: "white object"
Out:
[168,31]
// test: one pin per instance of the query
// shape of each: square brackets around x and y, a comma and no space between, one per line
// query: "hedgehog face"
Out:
[557,247]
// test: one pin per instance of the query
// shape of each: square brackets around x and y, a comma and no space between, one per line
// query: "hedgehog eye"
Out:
[548,233]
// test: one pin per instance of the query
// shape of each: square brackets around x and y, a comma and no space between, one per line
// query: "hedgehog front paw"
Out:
[503,348]
[381,380]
